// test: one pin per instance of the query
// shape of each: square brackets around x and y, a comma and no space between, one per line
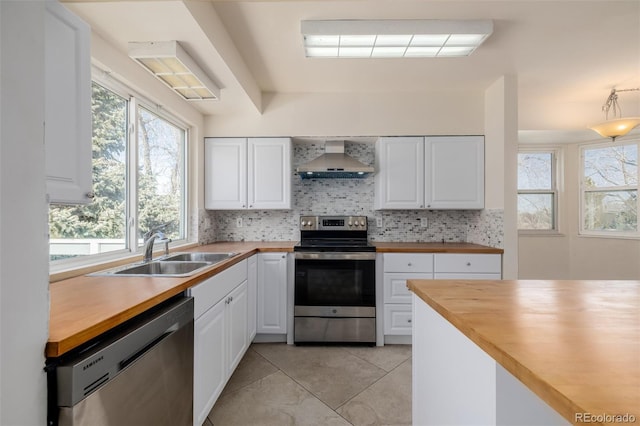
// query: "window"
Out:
[537,191]
[609,189]
[139,182]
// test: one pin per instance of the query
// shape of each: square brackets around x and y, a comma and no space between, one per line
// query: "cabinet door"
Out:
[269,173]
[209,366]
[252,294]
[225,173]
[237,326]
[67,106]
[454,177]
[395,286]
[272,293]
[397,319]
[400,177]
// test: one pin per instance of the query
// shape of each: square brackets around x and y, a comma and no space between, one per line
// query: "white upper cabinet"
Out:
[454,177]
[400,177]
[247,173]
[225,173]
[67,106]
[435,172]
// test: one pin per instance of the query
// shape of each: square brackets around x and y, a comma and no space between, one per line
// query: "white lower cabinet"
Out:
[221,335]
[398,268]
[272,293]
[459,266]
[252,296]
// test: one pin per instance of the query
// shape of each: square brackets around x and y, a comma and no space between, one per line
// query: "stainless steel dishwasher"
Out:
[140,374]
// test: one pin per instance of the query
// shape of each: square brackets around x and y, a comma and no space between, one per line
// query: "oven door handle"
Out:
[334,256]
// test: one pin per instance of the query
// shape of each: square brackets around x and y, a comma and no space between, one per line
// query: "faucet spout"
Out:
[150,237]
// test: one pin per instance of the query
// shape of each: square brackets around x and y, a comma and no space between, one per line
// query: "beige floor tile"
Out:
[272,400]
[252,367]
[330,373]
[387,402]
[386,357]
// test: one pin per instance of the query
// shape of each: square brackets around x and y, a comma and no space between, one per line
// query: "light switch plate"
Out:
[239,222]
[378,222]
[424,222]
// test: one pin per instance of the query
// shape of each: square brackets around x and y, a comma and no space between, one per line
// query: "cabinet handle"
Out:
[283,256]
[468,263]
[409,264]
[90,195]
[409,321]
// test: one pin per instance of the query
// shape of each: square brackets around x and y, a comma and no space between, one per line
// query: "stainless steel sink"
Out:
[174,265]
[199,257]
[163,268]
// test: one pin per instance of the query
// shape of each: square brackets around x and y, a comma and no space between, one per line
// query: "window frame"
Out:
[582,191]
[134,101]
[556,188]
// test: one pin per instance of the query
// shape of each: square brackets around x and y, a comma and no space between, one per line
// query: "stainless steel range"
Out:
[334,281]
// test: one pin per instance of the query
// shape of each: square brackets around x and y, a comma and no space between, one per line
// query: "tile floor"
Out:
[279,384]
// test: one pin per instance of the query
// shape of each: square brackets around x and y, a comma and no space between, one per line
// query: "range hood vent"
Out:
[334,163]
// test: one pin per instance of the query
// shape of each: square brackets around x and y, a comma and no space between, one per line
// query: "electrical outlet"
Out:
[378,222]
[239,222]
[424,222]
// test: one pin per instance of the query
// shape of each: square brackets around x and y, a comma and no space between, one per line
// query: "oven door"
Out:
[334,279]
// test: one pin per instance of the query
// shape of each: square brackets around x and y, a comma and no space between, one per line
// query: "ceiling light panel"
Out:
[393,38]
[171,64]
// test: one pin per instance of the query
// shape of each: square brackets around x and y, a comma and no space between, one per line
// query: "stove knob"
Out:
[350,223]
[362,223]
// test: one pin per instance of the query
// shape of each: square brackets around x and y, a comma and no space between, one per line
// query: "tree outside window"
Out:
[610,189]
[537,193]
[157,183]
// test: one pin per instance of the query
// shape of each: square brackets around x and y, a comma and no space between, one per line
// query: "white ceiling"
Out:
[567,54]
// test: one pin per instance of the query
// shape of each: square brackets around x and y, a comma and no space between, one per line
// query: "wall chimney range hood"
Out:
[334,163]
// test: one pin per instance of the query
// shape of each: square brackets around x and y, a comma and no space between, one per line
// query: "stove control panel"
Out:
[333,223]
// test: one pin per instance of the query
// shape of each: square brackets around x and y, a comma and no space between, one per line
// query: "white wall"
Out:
[24,281]
[569,255]
[501,141]
[356,114]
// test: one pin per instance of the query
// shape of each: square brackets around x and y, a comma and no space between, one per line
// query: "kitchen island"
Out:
[526,352]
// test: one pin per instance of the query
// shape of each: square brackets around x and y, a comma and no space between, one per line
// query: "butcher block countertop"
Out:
[576,344]
[86,306]
[467,248]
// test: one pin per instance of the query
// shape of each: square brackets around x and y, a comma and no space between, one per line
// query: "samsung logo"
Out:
[92,363]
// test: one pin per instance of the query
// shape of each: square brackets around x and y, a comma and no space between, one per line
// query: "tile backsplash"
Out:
[349,197]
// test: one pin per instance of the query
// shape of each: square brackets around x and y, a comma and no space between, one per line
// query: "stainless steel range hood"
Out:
[334,163]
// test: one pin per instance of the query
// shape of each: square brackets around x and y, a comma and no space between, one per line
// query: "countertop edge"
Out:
[544,390]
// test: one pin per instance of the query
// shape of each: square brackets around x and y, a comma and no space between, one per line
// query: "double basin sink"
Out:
[173,265]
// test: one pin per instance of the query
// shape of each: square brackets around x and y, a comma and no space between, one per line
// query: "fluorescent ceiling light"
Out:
[171,64]
[393,38]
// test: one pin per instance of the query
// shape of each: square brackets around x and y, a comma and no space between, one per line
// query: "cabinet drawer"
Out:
[395,286]
[397,319]
[212,290]
[468,263]
[476,276]
[408,262]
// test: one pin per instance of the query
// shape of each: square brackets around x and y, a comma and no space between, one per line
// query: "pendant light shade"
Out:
[614,128]
[618,126]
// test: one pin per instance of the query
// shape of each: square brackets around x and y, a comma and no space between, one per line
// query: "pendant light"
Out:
[618,126]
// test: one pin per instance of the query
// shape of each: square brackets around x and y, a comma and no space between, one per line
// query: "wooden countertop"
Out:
[576,344]
[382,247]
[86,306]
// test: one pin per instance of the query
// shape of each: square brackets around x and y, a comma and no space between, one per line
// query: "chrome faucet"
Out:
[150,237]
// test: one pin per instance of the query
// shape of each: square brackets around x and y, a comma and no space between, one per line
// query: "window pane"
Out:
[611,211]
[611,166]
[99,226]
[161,150]
[534,170]
[535,211]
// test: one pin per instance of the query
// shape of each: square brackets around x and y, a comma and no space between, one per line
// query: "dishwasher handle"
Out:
[131,359]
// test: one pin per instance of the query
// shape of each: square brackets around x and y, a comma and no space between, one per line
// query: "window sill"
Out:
[541,233]
[611,237]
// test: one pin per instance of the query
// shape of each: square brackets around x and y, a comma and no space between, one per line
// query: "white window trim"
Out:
[581,216]
[135,99]
[557,183]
